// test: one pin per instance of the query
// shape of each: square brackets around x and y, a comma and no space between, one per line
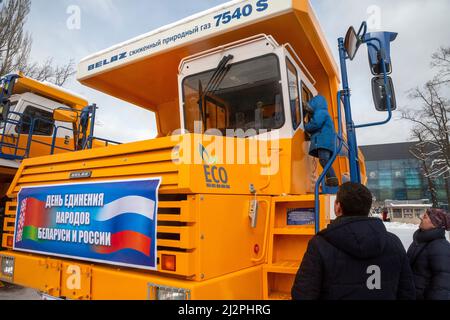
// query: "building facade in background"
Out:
[394,174]
[407,211]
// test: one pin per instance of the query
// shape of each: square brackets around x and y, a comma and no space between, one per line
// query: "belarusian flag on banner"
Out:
[23,210]
[33,215]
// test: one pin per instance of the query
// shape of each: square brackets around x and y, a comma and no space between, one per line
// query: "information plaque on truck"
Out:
[112,222]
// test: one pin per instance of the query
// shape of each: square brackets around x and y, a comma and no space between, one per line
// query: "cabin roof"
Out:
[144,70]
[50,91]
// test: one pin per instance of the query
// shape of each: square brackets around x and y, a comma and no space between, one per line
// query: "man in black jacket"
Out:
[355,258]
[429,256]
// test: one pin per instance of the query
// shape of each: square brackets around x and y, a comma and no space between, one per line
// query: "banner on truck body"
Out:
[113,222]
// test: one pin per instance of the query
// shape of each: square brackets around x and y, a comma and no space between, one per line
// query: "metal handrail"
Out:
[32,123]
[91,139]
[3,135]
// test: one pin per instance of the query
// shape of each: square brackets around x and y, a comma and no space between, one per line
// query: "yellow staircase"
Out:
[288,243]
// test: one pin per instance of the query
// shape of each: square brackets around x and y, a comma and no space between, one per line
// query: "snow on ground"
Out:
[404,231]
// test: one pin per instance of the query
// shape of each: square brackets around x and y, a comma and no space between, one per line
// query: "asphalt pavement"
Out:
[11,292]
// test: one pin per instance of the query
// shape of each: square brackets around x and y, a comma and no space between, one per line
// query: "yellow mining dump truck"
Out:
[221,204]
[22,101]
[36,119]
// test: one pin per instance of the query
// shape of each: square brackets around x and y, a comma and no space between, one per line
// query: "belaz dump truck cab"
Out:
[221,205]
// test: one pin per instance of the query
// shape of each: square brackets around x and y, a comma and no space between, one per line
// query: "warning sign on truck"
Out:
[112,222]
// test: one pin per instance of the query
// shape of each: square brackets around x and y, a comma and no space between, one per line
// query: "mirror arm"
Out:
[388,102]
[362,30]
[368,41]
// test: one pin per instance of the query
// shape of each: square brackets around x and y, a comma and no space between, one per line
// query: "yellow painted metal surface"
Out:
[142,159]
[288,244]
[40,146]
[96,282]
[207,228]
[227,240]
[75,281]
[43,274]
[8,225]
[156,158]
[221,254]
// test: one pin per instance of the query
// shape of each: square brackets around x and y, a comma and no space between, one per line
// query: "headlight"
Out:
[167,293]
[7,267]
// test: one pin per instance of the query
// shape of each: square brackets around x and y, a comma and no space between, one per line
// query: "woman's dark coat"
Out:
[429,257]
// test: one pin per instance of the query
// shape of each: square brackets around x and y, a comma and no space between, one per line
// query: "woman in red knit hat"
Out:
[429,256]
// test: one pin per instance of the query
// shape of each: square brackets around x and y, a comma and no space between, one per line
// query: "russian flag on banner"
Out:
[113,222]
[137,211]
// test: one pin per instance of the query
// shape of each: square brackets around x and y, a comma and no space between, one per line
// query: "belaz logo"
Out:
[105,62]
[215,177]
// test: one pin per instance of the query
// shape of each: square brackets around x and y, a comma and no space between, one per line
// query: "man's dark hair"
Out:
[355,199]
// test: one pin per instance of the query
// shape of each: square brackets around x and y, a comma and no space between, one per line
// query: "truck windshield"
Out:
[248,96]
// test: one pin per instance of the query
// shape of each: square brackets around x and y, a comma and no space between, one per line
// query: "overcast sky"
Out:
[423,27]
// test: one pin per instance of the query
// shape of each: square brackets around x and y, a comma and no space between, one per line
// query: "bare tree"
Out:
[47,71]
[15,43]
[421,152]
[431,119]
[15,46]
[441,61]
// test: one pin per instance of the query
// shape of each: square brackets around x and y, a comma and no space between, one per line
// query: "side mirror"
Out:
[380,94]
[352,43]
[379,45]
[65,115]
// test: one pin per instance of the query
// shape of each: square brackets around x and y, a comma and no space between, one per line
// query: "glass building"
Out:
[394,174]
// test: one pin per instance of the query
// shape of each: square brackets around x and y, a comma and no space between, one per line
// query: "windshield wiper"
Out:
[213,83]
